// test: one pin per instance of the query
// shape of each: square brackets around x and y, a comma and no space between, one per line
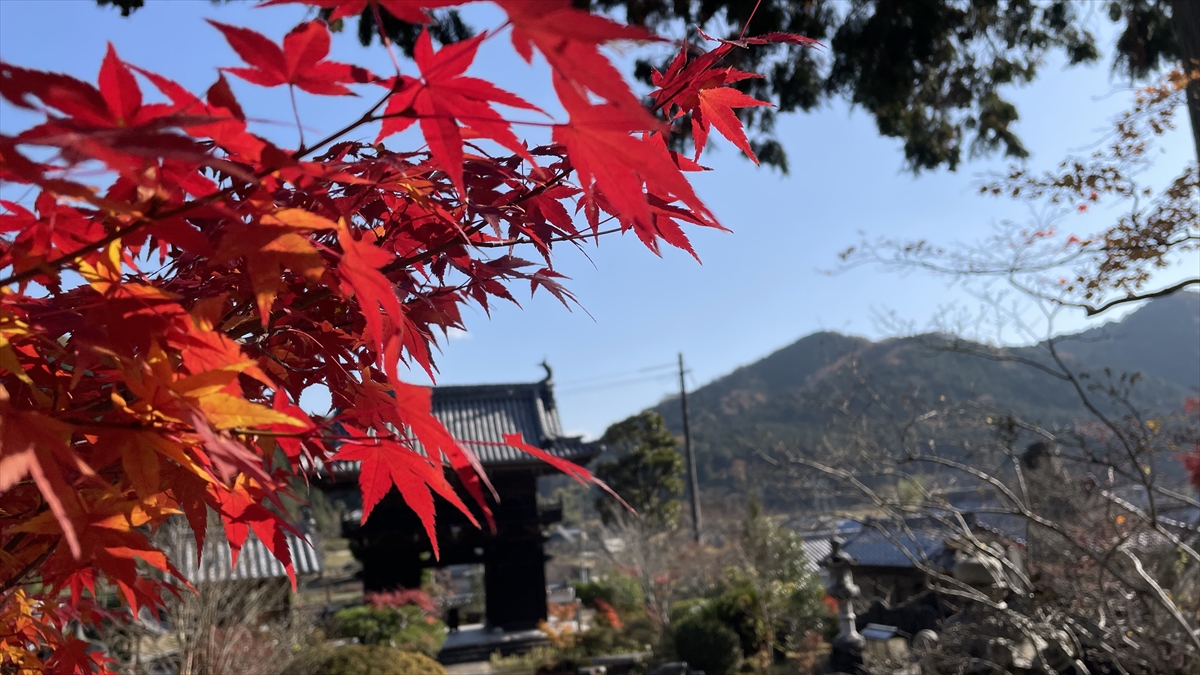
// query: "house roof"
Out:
[479,416]
[254,561]
[894,547]
[816,549]
[882,543]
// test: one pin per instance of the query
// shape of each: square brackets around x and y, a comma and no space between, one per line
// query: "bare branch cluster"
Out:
[1087,527]
[1156,228]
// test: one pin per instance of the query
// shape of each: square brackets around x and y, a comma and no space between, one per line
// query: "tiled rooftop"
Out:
[479,416]
[254,561]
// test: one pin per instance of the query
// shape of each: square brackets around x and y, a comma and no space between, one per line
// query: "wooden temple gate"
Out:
[392,545]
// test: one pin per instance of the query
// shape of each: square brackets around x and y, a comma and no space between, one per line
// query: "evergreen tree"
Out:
[647,473]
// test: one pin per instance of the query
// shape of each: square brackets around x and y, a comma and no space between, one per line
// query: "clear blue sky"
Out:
[758,289]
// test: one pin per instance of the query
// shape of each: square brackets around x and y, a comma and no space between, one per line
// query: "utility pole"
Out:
[691,456]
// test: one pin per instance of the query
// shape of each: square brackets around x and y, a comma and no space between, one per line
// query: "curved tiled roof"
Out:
[479,416]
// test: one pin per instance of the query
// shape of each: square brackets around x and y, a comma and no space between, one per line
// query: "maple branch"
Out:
[296,113]
[401,263]
[143,221]
[366,118]
[66,258]
[17,579]
[383,37]
[749,19]
[570,237]
[436,251]
[406,113]
[14,543]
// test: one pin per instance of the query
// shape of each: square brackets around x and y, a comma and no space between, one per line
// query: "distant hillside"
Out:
[1161,339]
[792,395]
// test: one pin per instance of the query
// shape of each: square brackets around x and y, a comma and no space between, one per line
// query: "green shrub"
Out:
[362,660]
[708,645]
[733,608]
[796,614]
[690,608]
[638,635]
[406,627]
[599,640]
[532,661]
[558,667]
[619,590]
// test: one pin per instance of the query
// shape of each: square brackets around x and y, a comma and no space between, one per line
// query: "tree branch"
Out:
[1093,311]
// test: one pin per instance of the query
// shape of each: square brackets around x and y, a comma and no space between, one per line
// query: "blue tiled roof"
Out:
[871,547]
[1007,525]
[877,543]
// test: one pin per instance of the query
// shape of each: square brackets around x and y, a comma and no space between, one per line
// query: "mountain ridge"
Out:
[785,396]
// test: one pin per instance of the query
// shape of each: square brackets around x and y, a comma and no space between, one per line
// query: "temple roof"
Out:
[479,416]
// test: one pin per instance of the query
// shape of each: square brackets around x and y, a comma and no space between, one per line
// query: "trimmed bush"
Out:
[362,660]
[619,590]
[707,645]
[691,608]
[407,627]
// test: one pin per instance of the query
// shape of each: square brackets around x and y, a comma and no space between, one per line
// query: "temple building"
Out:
[392,545]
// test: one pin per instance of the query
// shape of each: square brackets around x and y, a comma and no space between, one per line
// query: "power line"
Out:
[609,385]
[610,376]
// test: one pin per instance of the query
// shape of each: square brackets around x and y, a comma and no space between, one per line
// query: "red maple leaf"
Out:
[570,39]
[415,404]
[1191,462]
[117,103]
[715,108]
[405,10]
[300,62]
[765,38]
[579,473]
[617,165]
[444,99]
[78,657]
[361,276]
[698,89]
[387,463]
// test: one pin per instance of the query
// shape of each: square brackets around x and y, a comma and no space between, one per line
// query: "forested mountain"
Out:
[796,394]
[1161,339]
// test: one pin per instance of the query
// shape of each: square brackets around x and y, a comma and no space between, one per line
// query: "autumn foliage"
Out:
[175,281]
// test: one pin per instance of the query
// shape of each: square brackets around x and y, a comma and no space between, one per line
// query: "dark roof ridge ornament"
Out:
[549,379]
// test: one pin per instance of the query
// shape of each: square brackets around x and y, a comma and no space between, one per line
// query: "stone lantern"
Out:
[847,648]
